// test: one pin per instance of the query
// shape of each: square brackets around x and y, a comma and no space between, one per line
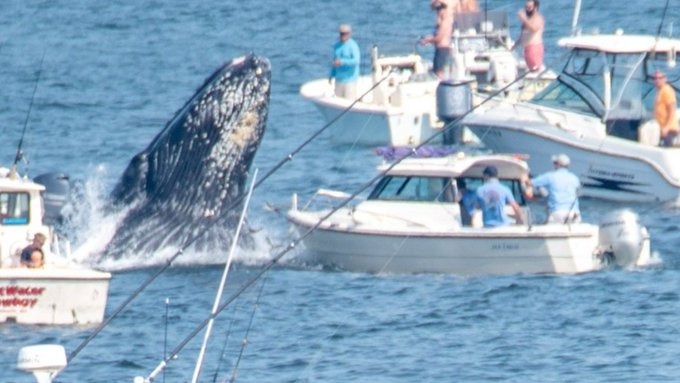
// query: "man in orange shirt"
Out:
[664,109]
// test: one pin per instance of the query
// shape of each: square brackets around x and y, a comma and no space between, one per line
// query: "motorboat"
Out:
[399,103]
[411,222]
[598,111]
[59,292]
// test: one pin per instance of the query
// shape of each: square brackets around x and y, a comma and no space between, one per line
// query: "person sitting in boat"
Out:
[38,242]
[492,198]
[467,199]
[665,106]
[562,186]
[37,260]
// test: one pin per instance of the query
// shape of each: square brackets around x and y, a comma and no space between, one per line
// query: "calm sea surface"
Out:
[115,71]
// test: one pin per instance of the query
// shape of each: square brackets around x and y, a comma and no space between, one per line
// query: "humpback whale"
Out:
[196,168]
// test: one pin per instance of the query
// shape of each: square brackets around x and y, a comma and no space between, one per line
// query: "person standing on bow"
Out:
[441,39]
[345,64]
[665,109]
[531,37]
[492,198]
[562,186]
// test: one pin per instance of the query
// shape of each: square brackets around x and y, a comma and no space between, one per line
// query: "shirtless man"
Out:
[441,39]
[532,34]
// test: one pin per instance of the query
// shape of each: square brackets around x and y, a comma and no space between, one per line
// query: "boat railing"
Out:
[322,197]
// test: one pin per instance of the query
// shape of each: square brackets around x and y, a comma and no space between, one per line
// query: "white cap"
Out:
[561,159]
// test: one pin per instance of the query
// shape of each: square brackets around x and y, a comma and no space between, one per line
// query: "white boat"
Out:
[60,292]
[411,223]
[401,110]
[599,112]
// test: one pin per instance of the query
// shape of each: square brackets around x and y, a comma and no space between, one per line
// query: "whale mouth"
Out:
[194,171]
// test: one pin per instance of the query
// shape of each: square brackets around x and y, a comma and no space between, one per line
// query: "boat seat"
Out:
[649,133]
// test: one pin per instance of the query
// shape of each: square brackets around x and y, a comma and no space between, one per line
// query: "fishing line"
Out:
[210,224]
[244,343]
[276,258]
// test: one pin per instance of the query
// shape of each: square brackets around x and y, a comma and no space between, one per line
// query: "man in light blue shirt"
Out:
[562,186]
[345,65]
[492,198]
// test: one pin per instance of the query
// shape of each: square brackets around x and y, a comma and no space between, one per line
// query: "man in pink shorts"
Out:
[532,34]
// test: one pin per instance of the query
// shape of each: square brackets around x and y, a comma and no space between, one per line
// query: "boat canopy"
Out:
[509,167]
[621,43]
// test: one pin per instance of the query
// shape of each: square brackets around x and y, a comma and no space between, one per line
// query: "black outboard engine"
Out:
[55,196]
[454,99]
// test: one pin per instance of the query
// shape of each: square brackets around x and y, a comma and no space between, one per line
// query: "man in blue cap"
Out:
[562,187]
[492,198]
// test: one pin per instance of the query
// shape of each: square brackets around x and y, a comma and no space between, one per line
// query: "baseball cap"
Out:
[345,28]
[561,159]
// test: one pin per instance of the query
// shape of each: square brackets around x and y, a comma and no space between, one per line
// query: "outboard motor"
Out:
[454,99]
[55,196]
[623,239]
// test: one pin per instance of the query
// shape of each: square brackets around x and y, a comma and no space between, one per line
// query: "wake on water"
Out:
[90,223]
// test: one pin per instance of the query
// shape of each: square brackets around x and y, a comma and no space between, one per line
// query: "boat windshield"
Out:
[430,189]
[402,188]
[14,208]
[606,85]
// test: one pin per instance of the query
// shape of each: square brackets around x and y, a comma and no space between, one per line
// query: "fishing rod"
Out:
[277,257]
[20,154]
[191,240]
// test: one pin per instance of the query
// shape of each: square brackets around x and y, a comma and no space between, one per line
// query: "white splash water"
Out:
[92,224]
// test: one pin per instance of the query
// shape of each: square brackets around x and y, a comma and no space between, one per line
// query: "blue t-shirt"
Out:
[492,198]
[350,57]
[562,186]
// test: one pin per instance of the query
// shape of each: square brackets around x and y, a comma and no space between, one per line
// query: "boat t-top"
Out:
[600,112]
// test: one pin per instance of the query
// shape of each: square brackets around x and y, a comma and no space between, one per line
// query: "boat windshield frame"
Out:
[603,84]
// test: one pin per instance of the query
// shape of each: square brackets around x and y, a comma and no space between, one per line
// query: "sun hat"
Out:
[561,159]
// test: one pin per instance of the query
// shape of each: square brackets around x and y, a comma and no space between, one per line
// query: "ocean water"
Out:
[110,76]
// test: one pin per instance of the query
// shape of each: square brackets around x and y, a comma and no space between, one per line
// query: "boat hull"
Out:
[509,250]
[53,296]
[608,167]
[369,123]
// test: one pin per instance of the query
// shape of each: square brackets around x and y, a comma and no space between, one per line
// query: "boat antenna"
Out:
[574,20]
[20,152]
[663,18]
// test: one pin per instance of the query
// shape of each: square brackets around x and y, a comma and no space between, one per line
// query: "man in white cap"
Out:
[345,64]
[562,186]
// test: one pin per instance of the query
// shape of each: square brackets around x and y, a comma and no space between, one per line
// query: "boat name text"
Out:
[606,173]
[15,296]
[505,246]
